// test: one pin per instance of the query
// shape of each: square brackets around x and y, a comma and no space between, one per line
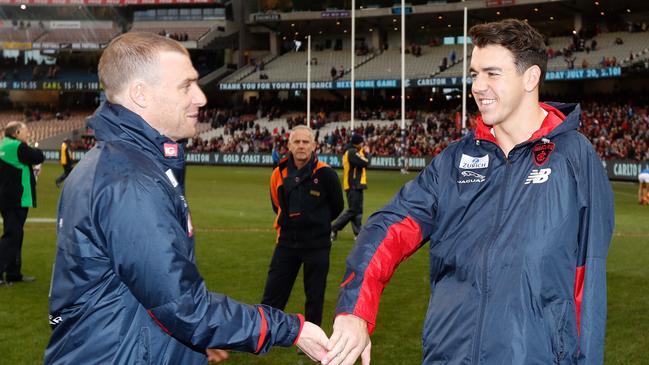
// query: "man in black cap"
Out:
[355,161]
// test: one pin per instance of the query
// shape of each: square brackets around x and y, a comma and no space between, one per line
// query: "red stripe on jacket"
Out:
[159,323]
[262,331]
[579,291]
[301,318]
[401,241]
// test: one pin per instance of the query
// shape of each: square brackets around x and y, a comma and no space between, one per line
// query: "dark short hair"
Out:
[521,39]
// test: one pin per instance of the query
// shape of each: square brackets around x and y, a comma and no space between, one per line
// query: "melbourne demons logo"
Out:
[541,152]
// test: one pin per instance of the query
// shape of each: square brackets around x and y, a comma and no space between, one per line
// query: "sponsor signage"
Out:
[50,85]
[15,45]
[397,10]
[67,45]
[335,14]
[395,83]
[65,24]
[625,170]
[321,85]
[266,159]
[589,73]
[490,3]
[267,17]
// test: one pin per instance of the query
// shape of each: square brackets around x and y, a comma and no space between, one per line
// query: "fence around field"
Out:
[622,170]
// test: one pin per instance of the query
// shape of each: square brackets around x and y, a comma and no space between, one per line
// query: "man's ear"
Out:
[138,93]
[532,78]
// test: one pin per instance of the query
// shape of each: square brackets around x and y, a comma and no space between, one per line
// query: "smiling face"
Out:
[175,97]
[498,88]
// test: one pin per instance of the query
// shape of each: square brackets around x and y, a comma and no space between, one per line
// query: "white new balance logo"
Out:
[538,176]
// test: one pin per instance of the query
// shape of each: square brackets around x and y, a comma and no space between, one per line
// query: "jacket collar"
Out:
[307,168]
[561,118]
[113,122]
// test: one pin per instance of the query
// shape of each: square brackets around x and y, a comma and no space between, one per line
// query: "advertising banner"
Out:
[622,170]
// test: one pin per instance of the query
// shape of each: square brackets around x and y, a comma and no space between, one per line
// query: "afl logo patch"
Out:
[541,153]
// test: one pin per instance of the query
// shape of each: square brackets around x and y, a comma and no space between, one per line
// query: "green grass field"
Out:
[233,219]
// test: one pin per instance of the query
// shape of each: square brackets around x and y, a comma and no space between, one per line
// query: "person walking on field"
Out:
[355,162]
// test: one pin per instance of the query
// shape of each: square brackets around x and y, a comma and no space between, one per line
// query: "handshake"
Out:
[349,340]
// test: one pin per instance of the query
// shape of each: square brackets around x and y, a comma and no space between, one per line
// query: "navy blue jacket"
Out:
[518,249]
[125,286]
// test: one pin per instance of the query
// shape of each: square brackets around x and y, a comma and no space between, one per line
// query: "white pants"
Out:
[643,178]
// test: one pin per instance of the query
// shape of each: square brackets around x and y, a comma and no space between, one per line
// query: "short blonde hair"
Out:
[132,54]
[304,128]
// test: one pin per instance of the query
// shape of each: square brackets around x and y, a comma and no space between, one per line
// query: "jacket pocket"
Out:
[143,349]
[556,314]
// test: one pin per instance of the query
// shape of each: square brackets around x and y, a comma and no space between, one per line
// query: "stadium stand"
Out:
[11,34]
[285,67]
[617,46]
[257,64]
[179,30]
[86,35]
[178,33]
[388,63]
[49,126]
[430,61]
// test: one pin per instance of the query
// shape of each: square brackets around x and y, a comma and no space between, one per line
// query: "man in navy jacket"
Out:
[125,287]
[519,215]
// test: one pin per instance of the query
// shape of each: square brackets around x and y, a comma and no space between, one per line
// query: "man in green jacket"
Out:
[17,195]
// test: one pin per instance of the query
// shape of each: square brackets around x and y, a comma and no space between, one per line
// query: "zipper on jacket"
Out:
[485,263]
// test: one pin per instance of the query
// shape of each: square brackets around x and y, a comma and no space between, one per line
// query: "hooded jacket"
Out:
[125,286]
[518,248]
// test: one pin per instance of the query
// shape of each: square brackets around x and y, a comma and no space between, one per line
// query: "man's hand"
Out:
[216,355]
[313,341]
[349,340]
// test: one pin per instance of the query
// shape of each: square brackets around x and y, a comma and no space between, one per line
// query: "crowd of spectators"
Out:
[241,134]
[422,138]
[616,131]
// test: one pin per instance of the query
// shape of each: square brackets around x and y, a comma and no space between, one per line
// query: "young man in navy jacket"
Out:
[519,215]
